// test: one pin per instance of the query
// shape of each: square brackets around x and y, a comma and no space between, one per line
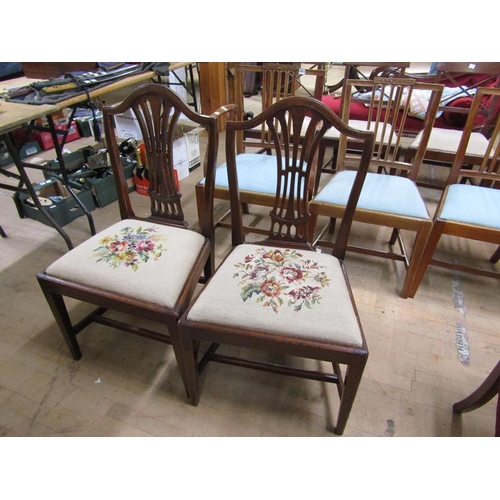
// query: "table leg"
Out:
[64,174]
[25,181]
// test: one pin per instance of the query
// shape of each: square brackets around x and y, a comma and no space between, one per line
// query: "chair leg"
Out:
[199,203]
[190,364]
[496,256]
[331,225]
[414,262]
[394,236]
[423,264]
[353,377]
[58,308]
[312,227]
[175,339]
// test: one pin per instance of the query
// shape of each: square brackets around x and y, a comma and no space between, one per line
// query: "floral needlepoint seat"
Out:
[282,291]
[128,257]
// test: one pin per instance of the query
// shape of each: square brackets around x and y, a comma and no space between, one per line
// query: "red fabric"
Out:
[449,120]
[359,111]
[454,119]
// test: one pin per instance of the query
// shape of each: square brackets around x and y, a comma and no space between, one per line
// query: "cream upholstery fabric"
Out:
[333,133]
[301,294]
[146,261]
[447,141]
[303,131]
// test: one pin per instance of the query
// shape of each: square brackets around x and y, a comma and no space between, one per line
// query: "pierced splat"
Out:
[158,120]
[295,135]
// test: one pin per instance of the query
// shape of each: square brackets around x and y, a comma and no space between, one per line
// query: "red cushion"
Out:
[359,111]
[453,120]
[456,119]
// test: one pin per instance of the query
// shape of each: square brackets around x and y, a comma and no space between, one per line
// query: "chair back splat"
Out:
[278,295]
[144,266]
[296,129]
[157,111]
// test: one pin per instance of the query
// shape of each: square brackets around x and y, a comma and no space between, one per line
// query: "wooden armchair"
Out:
[390,197]
[145,266]
[280,296]
[470,204]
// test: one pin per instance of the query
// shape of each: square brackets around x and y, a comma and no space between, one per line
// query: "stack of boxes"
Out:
[89,174]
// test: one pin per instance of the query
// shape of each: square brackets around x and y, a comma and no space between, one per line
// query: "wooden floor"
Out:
[129,386]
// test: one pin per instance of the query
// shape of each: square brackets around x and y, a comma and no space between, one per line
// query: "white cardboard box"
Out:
[186,149]
[193,148]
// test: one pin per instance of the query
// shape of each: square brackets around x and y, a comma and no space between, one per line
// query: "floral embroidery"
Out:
[276,275]
[130,247]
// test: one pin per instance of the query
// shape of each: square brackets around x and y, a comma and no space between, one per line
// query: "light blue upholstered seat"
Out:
[382,193]
[473,205]
[256,173]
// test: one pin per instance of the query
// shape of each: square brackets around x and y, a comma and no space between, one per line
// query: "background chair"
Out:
[354,70]
[279,295]
[357,108]
[255,165]
[146,266]
[390,196]
[461,80]
[470,204]
[278,81]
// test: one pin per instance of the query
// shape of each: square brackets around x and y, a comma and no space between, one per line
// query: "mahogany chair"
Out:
[390,197]
[255,165]
[482,395]
[461,80]
[147,266]
[278,294]
[470,204]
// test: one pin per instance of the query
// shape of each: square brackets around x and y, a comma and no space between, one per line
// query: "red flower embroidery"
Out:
[145,246]
[291,274]
[303,293]
[268,276]
[118,246]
